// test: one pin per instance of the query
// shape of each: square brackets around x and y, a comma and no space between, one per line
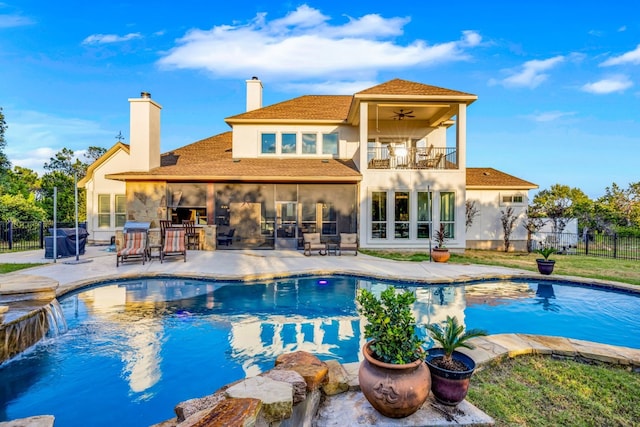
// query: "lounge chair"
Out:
[312,243]
[135,247]
[226,238]
[348,242]
[432,163]
[174,243]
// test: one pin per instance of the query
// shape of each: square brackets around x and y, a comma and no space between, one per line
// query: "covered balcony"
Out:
[410,156]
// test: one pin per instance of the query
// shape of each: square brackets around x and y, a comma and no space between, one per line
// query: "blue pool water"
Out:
[136,348]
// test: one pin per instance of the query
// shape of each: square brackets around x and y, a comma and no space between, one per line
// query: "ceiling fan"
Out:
[400,115]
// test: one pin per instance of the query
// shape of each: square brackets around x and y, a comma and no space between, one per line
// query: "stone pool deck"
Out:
[344,409]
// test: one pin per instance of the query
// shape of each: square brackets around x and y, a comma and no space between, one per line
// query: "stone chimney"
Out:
[144,133]
[254,94]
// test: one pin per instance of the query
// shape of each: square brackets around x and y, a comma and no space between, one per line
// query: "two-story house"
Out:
[388,162]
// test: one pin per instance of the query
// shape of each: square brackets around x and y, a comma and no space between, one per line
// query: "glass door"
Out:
[286,225]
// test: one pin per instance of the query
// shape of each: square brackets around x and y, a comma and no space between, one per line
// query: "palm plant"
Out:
[546,252]
[452,336]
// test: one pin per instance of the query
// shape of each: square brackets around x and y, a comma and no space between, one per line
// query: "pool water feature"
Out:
[136,348]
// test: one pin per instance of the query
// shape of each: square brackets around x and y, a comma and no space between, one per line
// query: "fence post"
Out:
[41,234]
[615,245]
[10,234]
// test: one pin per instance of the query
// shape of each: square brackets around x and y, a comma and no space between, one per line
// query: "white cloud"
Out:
[631,57]
[304,44]
[109,38]
[550,116]
[34,137]
[532,73]
[9,21]
[609,85]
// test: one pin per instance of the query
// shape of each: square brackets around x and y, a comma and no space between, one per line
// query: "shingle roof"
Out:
[308,107]
[210,160]
[406,87]
[489,177]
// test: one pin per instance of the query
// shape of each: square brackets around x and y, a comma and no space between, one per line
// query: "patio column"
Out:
[461,136]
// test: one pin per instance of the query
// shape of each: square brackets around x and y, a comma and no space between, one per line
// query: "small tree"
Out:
[508,220]
[471,211]
[532,223]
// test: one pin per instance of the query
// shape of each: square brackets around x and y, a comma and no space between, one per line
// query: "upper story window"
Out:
[268,143]
[330,143]
[309,143]
[301,143]
[511,199]
[289,143]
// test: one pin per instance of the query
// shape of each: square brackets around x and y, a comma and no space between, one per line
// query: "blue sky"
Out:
[558,83]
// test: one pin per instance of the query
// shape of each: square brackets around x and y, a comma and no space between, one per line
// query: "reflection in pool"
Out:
[136,348]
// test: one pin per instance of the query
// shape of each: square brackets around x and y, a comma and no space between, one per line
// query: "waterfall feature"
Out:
[55,319]
[29,325]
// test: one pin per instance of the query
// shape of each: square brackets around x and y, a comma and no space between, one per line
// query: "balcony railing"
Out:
[386,157]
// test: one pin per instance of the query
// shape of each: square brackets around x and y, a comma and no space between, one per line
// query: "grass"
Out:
[8,268]
[618,270]
[542,391]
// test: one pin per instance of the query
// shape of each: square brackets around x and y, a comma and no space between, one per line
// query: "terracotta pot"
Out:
[440,255]
[545,266]
[450,387]
[396,391]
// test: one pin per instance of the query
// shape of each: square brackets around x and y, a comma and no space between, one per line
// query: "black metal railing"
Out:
[386,157]
[593,244]
[28,235]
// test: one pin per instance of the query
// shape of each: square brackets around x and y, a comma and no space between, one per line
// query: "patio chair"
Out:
[174,243]
[226,238]
[193,235]
[431,163]
[134,247]
[312,243]
[348,242]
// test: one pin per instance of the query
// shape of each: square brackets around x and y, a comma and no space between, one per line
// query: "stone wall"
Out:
[146,201]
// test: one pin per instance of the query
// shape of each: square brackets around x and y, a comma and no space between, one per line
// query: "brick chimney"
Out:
[254,94]
[144,133]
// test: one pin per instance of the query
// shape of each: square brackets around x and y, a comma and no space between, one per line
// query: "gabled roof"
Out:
[100,160]
[487,178]
[317,108]
[406,87]
[211,160]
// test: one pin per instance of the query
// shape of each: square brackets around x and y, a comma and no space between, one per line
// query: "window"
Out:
[104,210]
[309,143]
[329,220]
[330,143]
[379,215]
[448,213]
[508,199]
[268,143]
[308,217]
[401,217]
[288,143]
[424,215]
[121,210]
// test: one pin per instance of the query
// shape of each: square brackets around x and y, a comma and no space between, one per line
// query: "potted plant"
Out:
[545,265]
[451,370]
[440,253]
[393,376]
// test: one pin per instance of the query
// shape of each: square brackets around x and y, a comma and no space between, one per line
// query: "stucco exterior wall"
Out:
[97,185]
[486,231]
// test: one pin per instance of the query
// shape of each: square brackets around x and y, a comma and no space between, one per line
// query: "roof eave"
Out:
[235,178]
[232,122]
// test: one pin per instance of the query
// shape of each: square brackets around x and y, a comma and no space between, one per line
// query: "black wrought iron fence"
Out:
[593,244]
[27,235]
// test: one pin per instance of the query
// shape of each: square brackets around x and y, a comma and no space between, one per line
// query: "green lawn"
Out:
[8,268]
[542,391]
[571,265]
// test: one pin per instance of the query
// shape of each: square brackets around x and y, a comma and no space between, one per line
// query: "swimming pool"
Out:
[136,348]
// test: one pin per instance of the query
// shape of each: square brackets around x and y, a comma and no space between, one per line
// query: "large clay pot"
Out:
[440,255]
[545,266]
[450,387]
[396,391]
